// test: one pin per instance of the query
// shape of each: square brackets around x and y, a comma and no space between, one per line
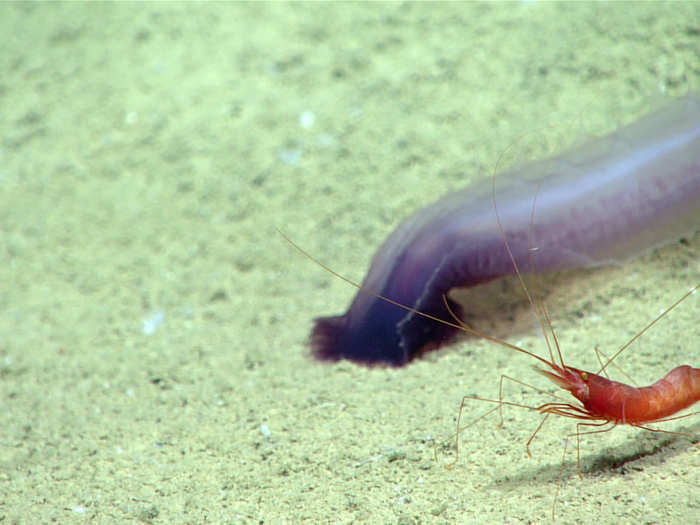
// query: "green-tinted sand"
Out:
[147,153]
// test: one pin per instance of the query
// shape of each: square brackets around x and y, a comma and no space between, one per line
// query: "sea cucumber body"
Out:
[610,199]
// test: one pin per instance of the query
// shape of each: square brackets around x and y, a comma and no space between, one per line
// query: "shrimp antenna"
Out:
[643,330]
[537,307]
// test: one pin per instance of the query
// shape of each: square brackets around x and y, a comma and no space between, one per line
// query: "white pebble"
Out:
[153,322]
[307,119]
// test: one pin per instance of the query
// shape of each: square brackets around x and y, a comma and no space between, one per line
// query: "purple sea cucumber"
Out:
[600,203]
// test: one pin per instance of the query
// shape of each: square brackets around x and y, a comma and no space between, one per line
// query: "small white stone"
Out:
[307,119]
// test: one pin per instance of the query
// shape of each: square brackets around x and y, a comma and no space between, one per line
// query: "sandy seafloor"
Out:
[153,358]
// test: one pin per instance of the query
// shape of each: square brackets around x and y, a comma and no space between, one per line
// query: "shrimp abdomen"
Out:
[624,404]
[679,389]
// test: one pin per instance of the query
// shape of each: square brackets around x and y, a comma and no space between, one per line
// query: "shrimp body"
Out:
[618,403]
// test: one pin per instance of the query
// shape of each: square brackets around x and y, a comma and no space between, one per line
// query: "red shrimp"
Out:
[604,403]
[619,404]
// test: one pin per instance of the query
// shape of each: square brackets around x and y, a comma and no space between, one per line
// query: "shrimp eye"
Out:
[584,376]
